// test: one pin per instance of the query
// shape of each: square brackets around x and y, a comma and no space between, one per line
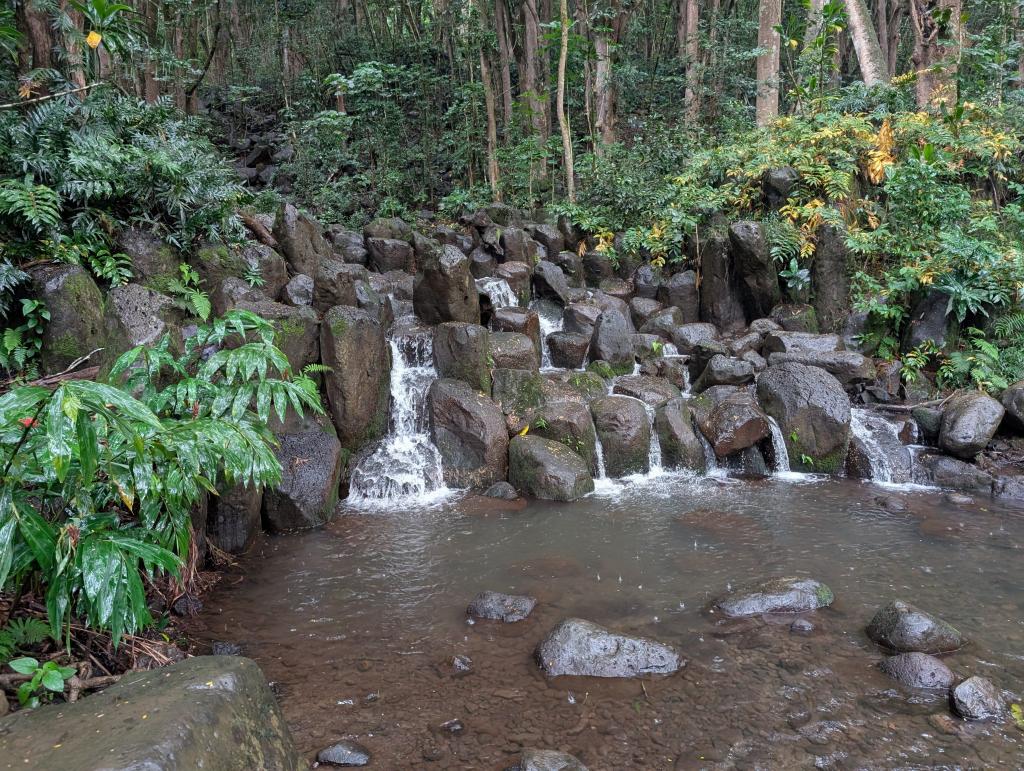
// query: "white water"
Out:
[406,466]
[498,292]
[779,448]
[867,427]
[550,316]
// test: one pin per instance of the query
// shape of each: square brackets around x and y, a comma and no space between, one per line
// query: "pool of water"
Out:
[354,624]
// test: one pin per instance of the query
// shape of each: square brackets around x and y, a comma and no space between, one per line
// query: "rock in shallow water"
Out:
[977,698]
[502,491]
[902,627]
[344,754]
[579,647]
[918,670]
[547,760]
[779,595]
[501,607]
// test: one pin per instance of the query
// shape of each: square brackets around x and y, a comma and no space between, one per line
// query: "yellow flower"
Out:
[93,39]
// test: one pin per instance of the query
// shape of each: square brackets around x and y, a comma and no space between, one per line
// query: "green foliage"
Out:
[187,292]
[21,343]
[21,633]
[10,279]
[46,680]
[99,478]
[977,363]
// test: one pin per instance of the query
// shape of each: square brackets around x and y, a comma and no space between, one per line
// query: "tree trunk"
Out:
[882,26]
[492,127]
[693,69]
[604,96]
[767,103]
[563,119]
[1020,41]
[814,21]
[36,48]
[892,40]
[873,69]
[529,85]
[681,8]
[501,20]
[936,51]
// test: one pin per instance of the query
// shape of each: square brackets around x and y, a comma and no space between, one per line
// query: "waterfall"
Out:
[654,451]
[550,316]
[405,466]
[711,467]
[779,447]
[874,433]
[498,292]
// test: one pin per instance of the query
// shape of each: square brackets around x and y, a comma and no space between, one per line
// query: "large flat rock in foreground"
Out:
[214,712]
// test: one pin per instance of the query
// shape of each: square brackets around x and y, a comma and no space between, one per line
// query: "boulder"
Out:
[513,244]
[597,267]
[311,468]
[572,266]
[390,254]
[795,317]
[348,245]
[759,280]
[680,446]
[800,342]
[233,518]
[848,367]
[951,474]
[977,698]
[519,392]
[502,491]
[625,432]
[547,760]
[570,423]
[389,227]
[583,648]
[469,431]
[549,281]
[730,419]
[298,291]
[482,263]
[503,214]
[269,265]
[969,421]
[612,342]
[214,712]
[145,315]
[345,753]
[723,370]
[358,385]
[495,606]
[872,435]
[445,289]
[568,350]
[901,627]
[687,337]
[779,595]
[813,412]
[663,323]
[918,670]
[654,391]
[830,278]
[618,288]
[680,291]
[720,299]
[928,321]
[510,350]
[335,284]
[581,318]
[154,263]
[671,368]
[778,184]
[548,470]
[1013,402]
[641,309]
[300,240]
[521,320]
[461,352]
[518,276]
[646,281]
[548,236]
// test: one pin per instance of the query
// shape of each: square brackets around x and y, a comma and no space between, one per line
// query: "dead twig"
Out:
[259,230]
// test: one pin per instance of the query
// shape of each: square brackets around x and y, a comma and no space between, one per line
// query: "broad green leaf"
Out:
[24,666]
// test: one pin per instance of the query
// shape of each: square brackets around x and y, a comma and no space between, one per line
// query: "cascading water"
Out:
[498,292]
[404,467]
[889,460]
[779,448]
[550,316]
[654,450]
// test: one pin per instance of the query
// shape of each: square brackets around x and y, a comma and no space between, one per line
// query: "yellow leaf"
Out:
[525,431]
[93,39]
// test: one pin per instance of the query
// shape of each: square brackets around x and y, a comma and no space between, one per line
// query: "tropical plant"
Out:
[44,680]
[21,633]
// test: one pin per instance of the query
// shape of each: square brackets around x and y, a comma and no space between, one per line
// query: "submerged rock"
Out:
[779,595]
[578,647]
[344,754]
[902,627]
[502,491]
[977,698]
[547,760]
[918,670]
[496,606]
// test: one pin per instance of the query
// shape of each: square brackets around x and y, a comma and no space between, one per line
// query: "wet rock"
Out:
[390,254]
[641,309]
[952,474]
[625,432]
[929,421]
[233,518]
[928,321]
[800,342]
[348,245]
[779,595]
[378,305]
[514,243]
[444,287]
[346,753]
[214,712]
[454,727]
[688,337]
[353,345]
[813,412]
[335,284]
[969,422]
[578,647]
[801,626]
[482,264]
[496,606]
[221,648]
[730,419]
[830,278]
[720,301]
[461,352]
[469,431]
[548,470]
[145,315]
[521,320]
[298,291]
[663,323]
[548,236]
[646,282]
[654,391]
[549,281]
[581,318]
[501,491]
[570,423]
[680,291]
[880,437]
[977,698]
[723,370]
[902,627]
[568,350]
[510,350]
[518,392]
[154,262]
[612,341]
[848,367]
[671,368]
[1013,402]
[548,760]
[300,240]
[759,280]
[795,317]
[388,227]
[680,446]
[618,288]
[918,670]
[517,275]
[311,468]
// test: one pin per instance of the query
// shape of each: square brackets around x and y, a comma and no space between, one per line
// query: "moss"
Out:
[622,369]
[339,326]
[67,346]
[288,327]
[824,595]
[602,369]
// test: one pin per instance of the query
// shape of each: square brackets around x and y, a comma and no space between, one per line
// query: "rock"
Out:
[1013,402]
[4,707]
[977,698]
[301,240]
[469,431]
[572,266]
[154,263]
[521,320]
[568,350]
[548,470]
[625,432]
[501,491]
[779,595]
[510,350]
[646,281]
[519,392]
[612,342]
[496,606]
[680,291]
[387,254]
[755,266]
[730,419]
[969,421]
[617,288]
[548,760]
[353,345]
[503,214]
[346,753]
[445,289]
[583,648]
[929,421]
[778,184]
[795,317]
[461,352]
[688,337]
[549,281]
[928,321]
[663,323]
[514,244]
[830,278]
[482,263]
[801,626]
[918,670]
[848,367]
[641,309]
[680,446]
[233,518]
[518,277]
[348,245]
[145,315]
[570,423]
[881,436]
[335,284]
[722,370]
[800,342]
[720,302]
[298,291]
[222,648]
[654,391]
[311,468]
[548,236]
[1008,486]
[388,227]
[597,267]
[813,412]
[378,305]
[952,474]
[901,627]
[203,712]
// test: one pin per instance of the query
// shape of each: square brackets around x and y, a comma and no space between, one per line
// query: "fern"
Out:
[21,633]
[10,279]
[32,207]
[1010,326]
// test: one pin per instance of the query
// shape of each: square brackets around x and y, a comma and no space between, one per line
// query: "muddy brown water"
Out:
[354,624]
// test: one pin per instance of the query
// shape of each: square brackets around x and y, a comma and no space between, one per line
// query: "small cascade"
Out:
[654,451]
[711,467]
[779,448]
[550,316]
[498,292]
[405,466]
[877,436]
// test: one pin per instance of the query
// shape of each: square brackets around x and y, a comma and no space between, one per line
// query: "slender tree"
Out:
[692,61]
[936,25]
[767,103]
[873,69]
[563,119]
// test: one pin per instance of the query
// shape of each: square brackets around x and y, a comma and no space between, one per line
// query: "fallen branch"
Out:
[47,97]
[259,230]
